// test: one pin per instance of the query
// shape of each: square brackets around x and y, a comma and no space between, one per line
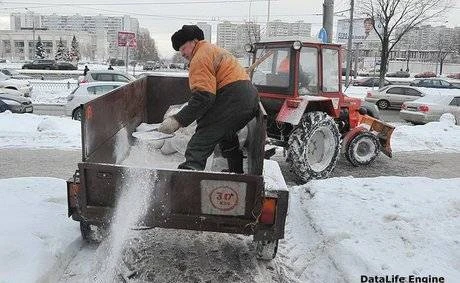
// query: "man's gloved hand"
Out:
[169,126]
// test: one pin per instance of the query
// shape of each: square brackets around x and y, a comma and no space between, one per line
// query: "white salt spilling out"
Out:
[146,154]
[121,145]
[133,203]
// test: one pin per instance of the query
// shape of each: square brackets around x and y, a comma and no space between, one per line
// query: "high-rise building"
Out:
[422,43]
[207,28]
[281,29]
[105,28]
[233,37]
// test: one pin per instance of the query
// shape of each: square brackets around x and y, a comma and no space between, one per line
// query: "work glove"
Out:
[169,126]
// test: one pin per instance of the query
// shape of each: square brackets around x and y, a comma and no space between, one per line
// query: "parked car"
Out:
[393,96]
[398,74]
[14,74]
[106,76]
[369,73]
[14,101]
[151,65]
[430,108]
[433,83]
[40,64]
[62,65]
[454,76]
[369,82]
[87,92]
[19,85]
[425,75]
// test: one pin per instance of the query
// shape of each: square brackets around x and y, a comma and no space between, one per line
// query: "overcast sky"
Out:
[163,17]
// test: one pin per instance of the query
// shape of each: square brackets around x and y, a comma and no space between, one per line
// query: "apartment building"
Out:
[207,30]
[282,29]
[233,37]
[20,45]
[104,29]
[423,43]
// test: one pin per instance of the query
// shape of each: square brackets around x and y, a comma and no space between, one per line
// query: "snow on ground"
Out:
[374,226]
[337,229]
[39,131]
[36,234]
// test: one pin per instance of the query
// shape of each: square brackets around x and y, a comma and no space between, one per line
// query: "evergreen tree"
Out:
[74,53]
[39,50]
[61,51]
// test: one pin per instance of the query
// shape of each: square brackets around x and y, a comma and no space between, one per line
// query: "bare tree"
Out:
[401,16]
[445,46]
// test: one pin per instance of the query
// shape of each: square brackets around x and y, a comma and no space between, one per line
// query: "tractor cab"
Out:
[299,84]
[293,71]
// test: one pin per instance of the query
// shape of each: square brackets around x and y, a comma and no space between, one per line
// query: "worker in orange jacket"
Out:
[223,101]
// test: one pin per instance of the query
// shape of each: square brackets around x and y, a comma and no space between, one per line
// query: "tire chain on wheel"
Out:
[298,138]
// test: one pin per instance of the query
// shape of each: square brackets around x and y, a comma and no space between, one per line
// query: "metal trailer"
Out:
[182,199]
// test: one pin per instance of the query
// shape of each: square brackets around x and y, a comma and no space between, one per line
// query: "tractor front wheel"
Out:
[363,149]
[314,147]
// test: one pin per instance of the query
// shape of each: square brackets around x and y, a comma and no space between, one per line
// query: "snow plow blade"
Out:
[382,130]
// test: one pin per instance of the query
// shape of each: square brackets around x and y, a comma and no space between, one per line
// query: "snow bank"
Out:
[434,136]
[375,226]
[36,232]
[37,131]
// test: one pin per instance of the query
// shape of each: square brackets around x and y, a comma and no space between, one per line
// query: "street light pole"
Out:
[328,18]
[349,44]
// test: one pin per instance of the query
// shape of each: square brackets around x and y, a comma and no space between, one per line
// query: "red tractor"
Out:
[300,87]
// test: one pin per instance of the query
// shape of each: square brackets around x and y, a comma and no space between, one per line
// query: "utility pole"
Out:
[349,44]
[328,18]
[268,13]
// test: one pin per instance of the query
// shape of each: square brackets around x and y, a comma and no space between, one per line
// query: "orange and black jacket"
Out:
[217,81]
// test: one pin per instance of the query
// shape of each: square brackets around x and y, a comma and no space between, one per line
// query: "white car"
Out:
[19,85]
[87,92]
[431,107]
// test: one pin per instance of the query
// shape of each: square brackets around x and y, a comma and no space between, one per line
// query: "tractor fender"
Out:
[293,109]
[350,135]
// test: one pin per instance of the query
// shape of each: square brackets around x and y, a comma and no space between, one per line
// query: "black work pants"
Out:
[236,104]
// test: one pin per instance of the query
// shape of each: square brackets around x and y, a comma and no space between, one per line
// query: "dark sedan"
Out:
[40,64]
[433,83]
[370,82]
[11,100]
[65,66]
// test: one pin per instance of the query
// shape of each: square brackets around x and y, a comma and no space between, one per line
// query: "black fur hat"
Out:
[186,33]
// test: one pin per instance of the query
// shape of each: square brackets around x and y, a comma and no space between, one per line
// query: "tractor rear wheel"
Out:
[314,147]
[363,149]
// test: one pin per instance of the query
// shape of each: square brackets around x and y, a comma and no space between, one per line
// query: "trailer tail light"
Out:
[267,215]
[423,108]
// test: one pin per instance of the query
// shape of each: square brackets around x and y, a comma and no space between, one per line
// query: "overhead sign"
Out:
[362,30]
[126,38]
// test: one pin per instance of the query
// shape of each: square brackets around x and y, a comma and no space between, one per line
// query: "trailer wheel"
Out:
[76,115]
[363,149]
[91,233]
[266,250]
[314,147]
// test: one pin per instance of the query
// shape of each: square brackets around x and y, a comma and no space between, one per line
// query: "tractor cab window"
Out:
[308,71]
[274,70]
[330,70]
